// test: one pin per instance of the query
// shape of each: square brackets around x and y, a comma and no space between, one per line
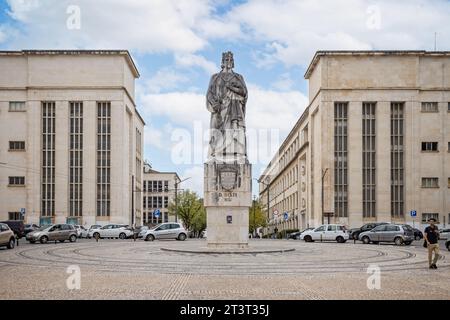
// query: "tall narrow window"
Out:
[76,159]
[48,159]
[103,158]
[340,159]
[368,159]
[397,160]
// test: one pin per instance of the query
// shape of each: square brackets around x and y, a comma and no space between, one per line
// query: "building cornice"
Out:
[124,53]
[319,54]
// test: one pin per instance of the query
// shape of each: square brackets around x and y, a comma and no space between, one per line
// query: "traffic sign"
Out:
[22,211]
[286,216]
[275,213]
[156,213]
[413,213]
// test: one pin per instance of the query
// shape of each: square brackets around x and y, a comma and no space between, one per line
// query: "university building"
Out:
[159,189]
[71,137]
[372,145]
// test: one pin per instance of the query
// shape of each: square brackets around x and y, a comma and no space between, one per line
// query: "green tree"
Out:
[190,210]
[256,217]
[199,221]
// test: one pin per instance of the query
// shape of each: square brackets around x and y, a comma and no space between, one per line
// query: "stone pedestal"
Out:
[227,202]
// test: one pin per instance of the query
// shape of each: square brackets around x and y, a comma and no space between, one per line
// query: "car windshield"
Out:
[44,227]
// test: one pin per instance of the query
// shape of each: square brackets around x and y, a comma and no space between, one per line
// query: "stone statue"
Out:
[226,100]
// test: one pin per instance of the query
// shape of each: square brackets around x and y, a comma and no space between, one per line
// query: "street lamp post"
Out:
[176,196]
[324,172]
[268,198]
[254,220]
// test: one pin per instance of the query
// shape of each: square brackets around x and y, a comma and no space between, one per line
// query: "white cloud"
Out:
[284,82]
[191,60]
[141,25]
[195,183]
[165,79]
[152,138]
[293,30]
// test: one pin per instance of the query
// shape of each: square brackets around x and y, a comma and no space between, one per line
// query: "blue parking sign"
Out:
[413,213]
[157,213]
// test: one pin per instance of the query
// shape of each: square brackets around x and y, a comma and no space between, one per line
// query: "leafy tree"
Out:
[190,210]
[199,221]
[256,217]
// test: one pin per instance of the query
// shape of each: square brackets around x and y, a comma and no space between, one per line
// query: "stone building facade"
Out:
[71,137]
[372,145]
[158,192]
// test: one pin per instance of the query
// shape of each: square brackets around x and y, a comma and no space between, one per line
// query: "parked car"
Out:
[444,234]
[167,230]
[7,237]
[296,235]
[326,232]
[417,234]
[17,226]
[396,233]
[447,244]
[140,231]
[30,228]
[85,232]
[355,232]
[120,231]
[80,230]
[60,232]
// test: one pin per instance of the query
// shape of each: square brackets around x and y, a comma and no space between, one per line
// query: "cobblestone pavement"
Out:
[124,269]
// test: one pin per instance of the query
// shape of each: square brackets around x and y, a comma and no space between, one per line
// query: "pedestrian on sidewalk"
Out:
[431,236]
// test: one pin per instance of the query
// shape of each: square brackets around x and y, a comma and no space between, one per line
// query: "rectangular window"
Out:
[166,202]
[428,216]
[15,216]
[448,184]
[430,146]
[17,145]
[397,160]
[340,159]
[166,186]
[76,159]
[430,107]
[430,182]
[48,160]
[17,106]
[448,147]
[368,159]
[16,181]
[103,158]
[448,107]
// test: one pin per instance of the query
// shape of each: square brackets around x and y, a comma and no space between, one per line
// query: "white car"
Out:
[444,234]
[167,230]
[81,231]
[326,232]
[120,231]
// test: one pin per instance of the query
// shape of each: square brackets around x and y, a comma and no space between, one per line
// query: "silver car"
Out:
[396,233]
[60,232]
[167,230]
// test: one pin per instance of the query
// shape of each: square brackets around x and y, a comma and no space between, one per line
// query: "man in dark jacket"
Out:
[431,236]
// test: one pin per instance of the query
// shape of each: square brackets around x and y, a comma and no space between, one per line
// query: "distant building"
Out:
[159,191]
[377,132]
[71,137]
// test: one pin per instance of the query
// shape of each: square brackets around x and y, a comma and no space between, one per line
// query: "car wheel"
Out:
[122,236]
[340,239]
[181,237]
[44,239]
[96,235]
[355,237]
[73,238]
[407,243]
[417,237]
[150,237]
[11,243]
[307,239]
[365,240]
[398,241]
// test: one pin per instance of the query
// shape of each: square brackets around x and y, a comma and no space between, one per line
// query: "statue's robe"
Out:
[227,109]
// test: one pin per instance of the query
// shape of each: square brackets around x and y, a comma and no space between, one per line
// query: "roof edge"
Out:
[320,53]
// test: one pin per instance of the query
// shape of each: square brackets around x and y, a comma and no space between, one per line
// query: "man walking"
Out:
[431,235]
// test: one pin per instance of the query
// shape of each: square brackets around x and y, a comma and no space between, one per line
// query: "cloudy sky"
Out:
[177,45]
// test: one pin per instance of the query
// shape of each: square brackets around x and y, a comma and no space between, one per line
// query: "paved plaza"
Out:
[124,269]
